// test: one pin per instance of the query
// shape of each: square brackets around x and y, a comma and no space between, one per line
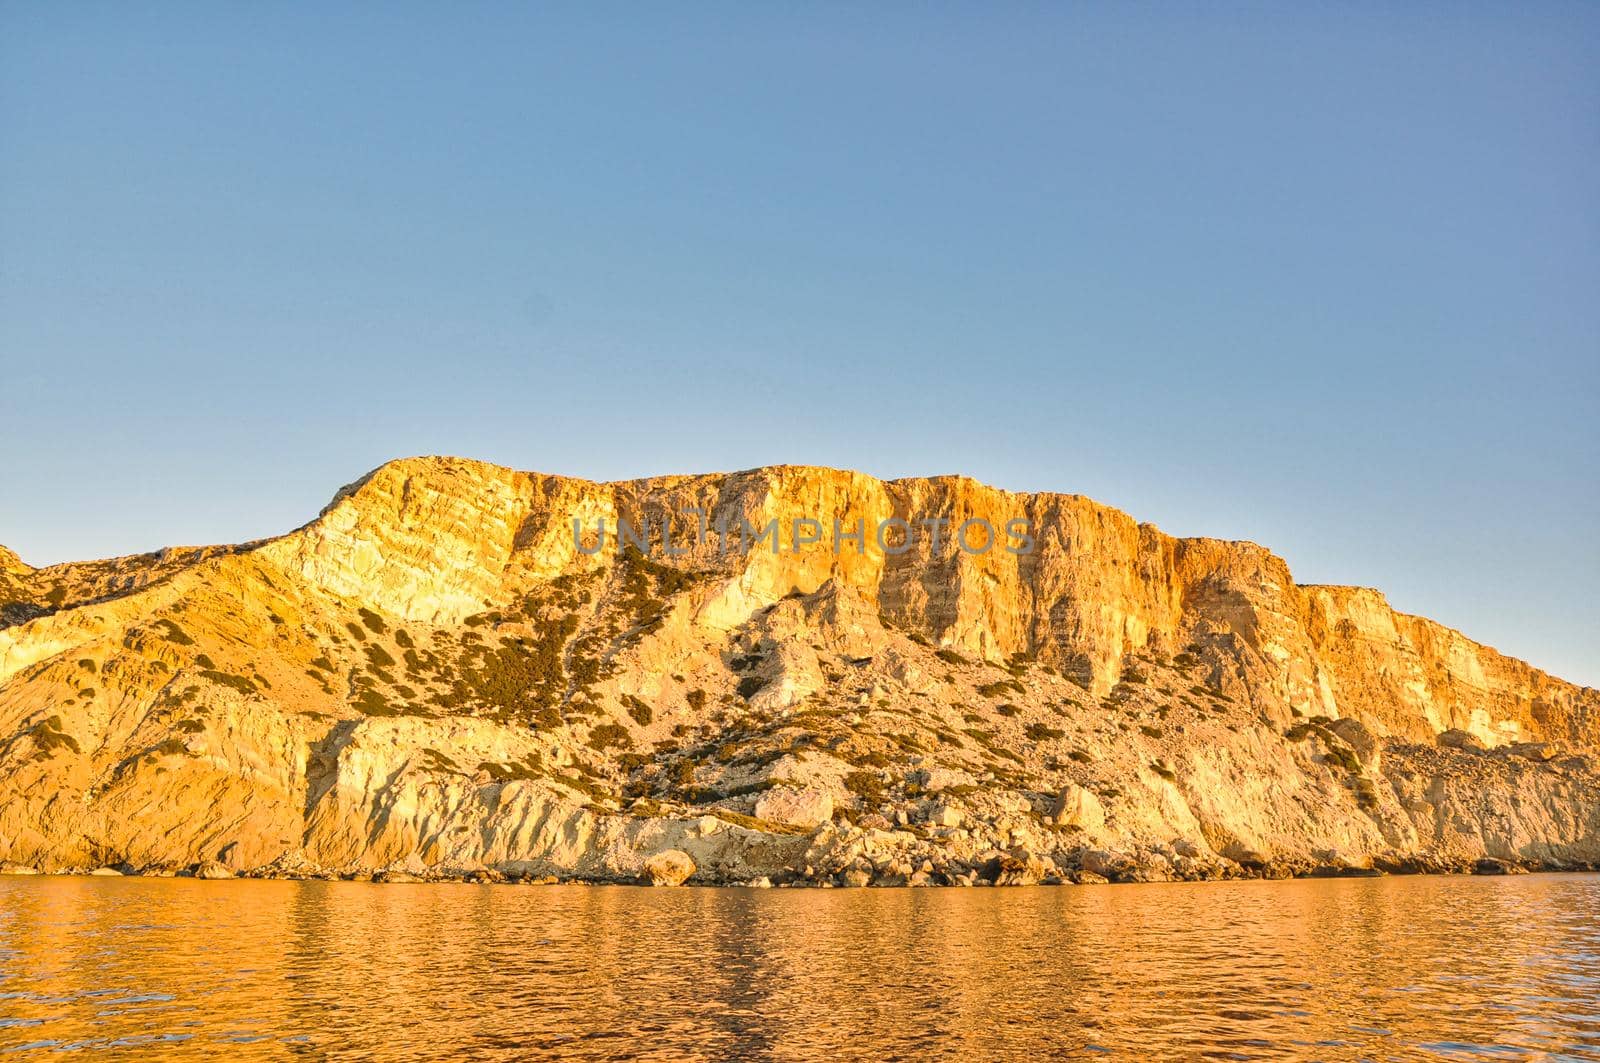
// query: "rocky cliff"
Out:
[452,669]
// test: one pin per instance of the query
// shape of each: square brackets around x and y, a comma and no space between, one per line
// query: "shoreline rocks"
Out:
[998,869]
[670,868]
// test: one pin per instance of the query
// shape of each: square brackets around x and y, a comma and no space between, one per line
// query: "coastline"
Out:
[430,681]
[1002,874]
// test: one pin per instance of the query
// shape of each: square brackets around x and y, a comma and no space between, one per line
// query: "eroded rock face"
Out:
[1455,738]
[796,808]
[435,676]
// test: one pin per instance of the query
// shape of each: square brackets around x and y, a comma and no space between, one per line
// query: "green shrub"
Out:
[173,633]
[516,678]
[641,712]
[584,786]
[867,785]
[643,579]
[233,682]
[532,767]
[1344,758]
[49,736]
[371,703]
[610,737]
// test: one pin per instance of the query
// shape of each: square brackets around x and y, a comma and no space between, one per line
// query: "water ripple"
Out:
[1325,969]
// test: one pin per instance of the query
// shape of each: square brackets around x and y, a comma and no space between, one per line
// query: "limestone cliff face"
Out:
[440,670]
[437,540]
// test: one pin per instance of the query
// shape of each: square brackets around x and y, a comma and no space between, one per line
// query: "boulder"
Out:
[934,780]
[669,868]
[796,807]
[892,873]
[1455,738]
[1078,807]
[1014,869]
[1491,866]
[1360,739]
[1104,863]
[211,869]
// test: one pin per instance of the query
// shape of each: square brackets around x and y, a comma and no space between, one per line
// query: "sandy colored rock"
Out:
[796,808]
[670,868]
[431,677]
[1078,807]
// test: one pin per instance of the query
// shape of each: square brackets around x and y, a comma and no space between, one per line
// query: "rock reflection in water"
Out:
[1329,969]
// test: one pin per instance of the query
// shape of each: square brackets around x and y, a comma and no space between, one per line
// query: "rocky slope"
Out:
[434,677]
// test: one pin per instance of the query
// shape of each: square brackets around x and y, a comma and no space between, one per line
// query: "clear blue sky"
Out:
[1326,277]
